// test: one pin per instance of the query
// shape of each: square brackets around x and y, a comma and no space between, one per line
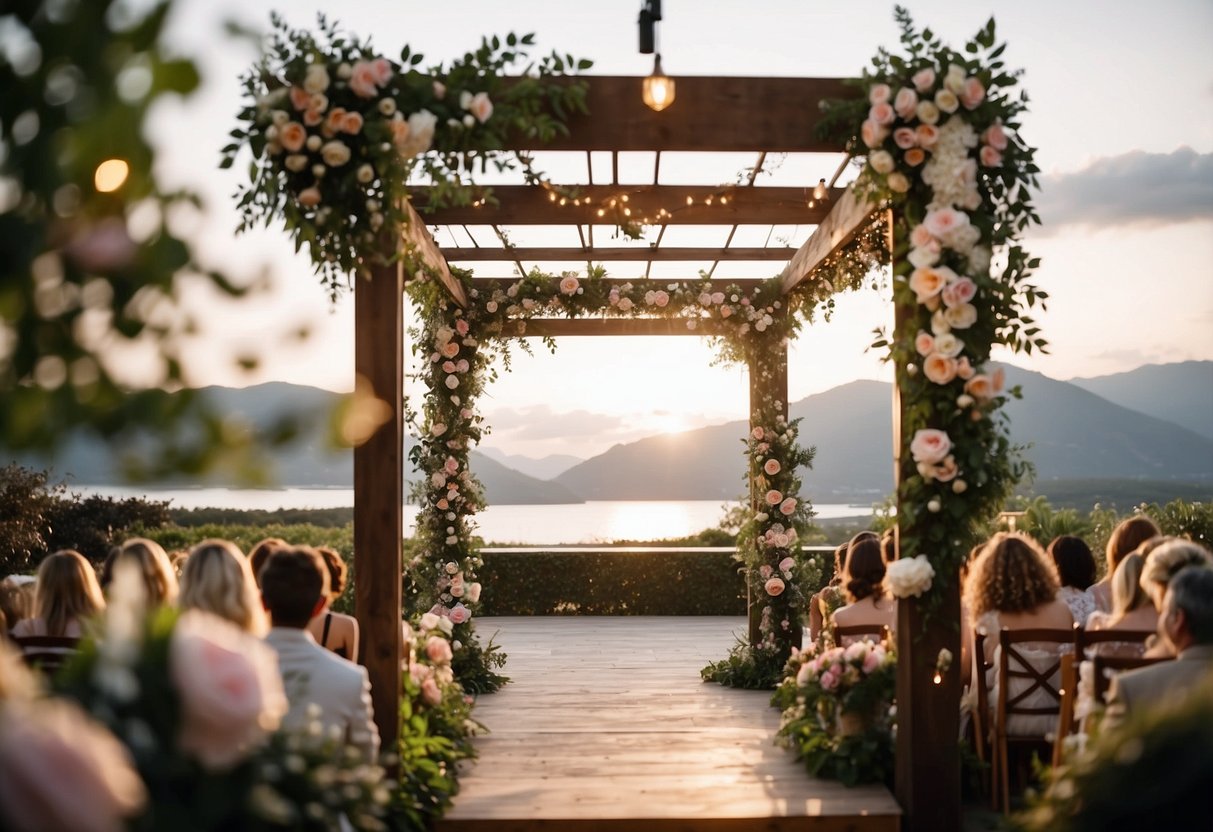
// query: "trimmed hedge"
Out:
[670,582]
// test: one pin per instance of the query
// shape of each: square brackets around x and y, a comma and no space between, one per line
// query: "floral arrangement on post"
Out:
[940,129]
[838,712]
[336,131]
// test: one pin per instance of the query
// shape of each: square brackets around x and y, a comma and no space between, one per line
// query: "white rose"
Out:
[948,345]
[387,106]
[335,153]
[317,79]
[314,143]
[898,183]
[881,161]
[421,132]
[927,112]
[947,101]
[296,162]
[366,173]
[961,316]
[954,81]
[908,577]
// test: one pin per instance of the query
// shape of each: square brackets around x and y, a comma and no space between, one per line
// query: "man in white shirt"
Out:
[294,586]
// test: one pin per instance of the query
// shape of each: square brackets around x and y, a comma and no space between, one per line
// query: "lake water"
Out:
[546,525]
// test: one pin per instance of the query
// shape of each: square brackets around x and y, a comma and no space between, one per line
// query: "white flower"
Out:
[314,143]
[881,161]
[387,106]
[317,79]
[335,153]
[908,577]
[366,173]
[421,133]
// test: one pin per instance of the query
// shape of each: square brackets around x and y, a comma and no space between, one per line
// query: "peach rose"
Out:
[230,688]
[961,316]
[930,445]
[400,133]
[309,197]
[787,507]
[450,349]
[300,98]
[757,434]
[980,387]
[905,137]
[451,466]
[438,650]
[906,103]
[999,379]
[995,136]
[921,236]
[382,71]
[481,107]
[963,368]
[352,123]
[879,94]
[923,79]
[946,471]
[773,497]
[774,587]
[914,157]
[430,692]
[61,770]
[972,94]
[924,343]
[312,118]
[291,136]
[939,368]
[928,281]
[943,221]
[927,134]
[569,285]
[772,467]
[882,114]
[364,80]
[873,134]
[661,298]
[990,157]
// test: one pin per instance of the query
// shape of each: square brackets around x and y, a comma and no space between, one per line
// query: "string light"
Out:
[820,192]
[938,678]
[110,175]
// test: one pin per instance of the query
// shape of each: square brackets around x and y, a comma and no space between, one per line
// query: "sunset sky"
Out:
[1121,111]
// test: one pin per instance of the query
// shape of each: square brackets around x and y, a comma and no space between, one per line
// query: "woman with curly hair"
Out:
[1013,585]
[863,582]
[1126,537]
[218,579]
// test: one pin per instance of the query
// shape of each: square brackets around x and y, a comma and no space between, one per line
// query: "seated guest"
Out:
[66,597]
[1186,624]
[1076,572]
[218,579]
[830,597]
[334,630]
[864,587]
[1013,585]
[14,603]
[1167,560]
[261,551]
[294,588]
[1126,537]
[1131,610]
[159,579]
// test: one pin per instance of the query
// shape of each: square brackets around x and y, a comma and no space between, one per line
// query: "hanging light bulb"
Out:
[820,192]
[658,88]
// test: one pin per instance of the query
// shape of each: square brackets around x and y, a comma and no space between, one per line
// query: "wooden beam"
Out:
[847,219]
[602,255]
[722,114]
[532,205]
[420,243]
[379,486]
[747,286]
[565,327]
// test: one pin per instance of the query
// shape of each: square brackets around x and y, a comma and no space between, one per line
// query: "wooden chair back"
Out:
[1108,666]
[871,632]
[47,653]
[1084,639]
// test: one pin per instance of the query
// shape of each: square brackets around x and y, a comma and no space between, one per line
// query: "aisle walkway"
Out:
[606,726]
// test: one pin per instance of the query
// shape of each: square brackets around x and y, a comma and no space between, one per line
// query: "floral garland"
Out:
[337,130]
[458,346]
[941,133]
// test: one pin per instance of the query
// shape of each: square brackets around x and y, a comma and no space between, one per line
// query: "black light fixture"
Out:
[658,88]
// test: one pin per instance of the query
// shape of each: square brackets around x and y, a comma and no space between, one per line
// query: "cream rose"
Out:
[335,154]
[930,445]
[909,577]
[366,174]
[961,316]
[481,107]
[898,183]
[309,197]
[317,79]
[948,345]
[421,126]
[946,101]
[881,161]
[473,595]
[939,368]
[295,162]
[927,113]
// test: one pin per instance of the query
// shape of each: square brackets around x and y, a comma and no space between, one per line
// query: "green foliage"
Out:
[473,665]
[326,517]
[611,583]
[751,667]
[26,502]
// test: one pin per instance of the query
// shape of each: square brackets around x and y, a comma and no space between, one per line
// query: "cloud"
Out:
[541,422]
[1134,189]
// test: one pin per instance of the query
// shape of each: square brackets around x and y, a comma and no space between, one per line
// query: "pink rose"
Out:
[448,366]
[963,368]
[334,120]
[757,433]
[364,80]
[451,466]
[462,366]
[462,326]
[473,593]
[946,471]
[661,298]
[774,587]
[569,285]
[231,692]
[438,650]
[990,157]
[959,291]
[352,123]
[460,614]
[873,134]
[481,107]
[930,445]
[772,467]
[300,98]
[943,221]
[995,136]
[787,564]
[787,506]
[923,79]
[928,135]
[439,90]
[905,103]
[980,387]
[765,571]
[924,343]
[717,298]
[291,136]
[972,94]
[774,497]
[905,137]
[381,70]
[939,368]
[879,94]
[870,662]
[829,680]
[928,281]
[882,114]
[309,197]
[430,692]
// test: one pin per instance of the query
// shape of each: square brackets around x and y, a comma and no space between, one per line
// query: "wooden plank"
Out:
[847,219]
[532,205]
[778,115]
[604,255]
[740,286]
[379,489]
[565,327]
[418,241]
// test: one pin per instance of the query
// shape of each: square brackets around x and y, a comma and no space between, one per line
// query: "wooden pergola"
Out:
[758,116]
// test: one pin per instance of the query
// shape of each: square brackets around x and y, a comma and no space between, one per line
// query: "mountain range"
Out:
[1149,424]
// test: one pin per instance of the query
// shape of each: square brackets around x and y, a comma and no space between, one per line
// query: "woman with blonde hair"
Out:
[1131,610]
[1126,537]
[335,631]
[218,579]
[159,579]
[1167,560]
[67,595]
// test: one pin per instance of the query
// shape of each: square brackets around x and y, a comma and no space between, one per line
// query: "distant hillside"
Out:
[544,468]
[1181,393]
[1073,434]
[310,460]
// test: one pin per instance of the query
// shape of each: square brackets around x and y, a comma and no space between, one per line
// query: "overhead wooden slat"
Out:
[615,255]
[417,240]
[849,216]
[566,327]
[746,286]
[778,115]
[532,205]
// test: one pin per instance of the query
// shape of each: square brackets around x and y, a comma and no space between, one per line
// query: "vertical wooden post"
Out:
[379,491]
[752,610]
[928,714]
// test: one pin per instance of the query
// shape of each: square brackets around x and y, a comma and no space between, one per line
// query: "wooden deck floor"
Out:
[606,726]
